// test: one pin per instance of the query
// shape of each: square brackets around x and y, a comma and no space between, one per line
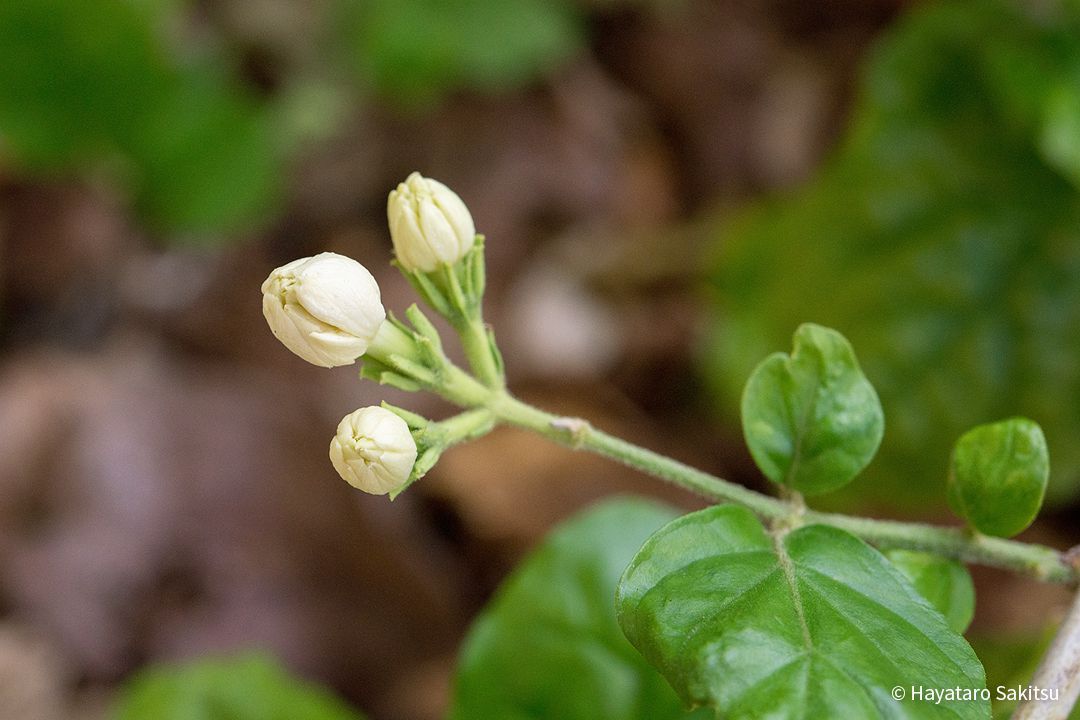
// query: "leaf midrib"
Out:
[787,566]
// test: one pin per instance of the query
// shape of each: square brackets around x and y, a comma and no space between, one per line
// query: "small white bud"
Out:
[429,224]
[325,308]
[373,450]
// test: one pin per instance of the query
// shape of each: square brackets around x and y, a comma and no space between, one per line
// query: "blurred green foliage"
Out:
[248,687]
[548,645]
[84,85]
[943,239]
[415,50]
[120,85]
[1010,661]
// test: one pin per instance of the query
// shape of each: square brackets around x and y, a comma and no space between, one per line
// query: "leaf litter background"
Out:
[164,490]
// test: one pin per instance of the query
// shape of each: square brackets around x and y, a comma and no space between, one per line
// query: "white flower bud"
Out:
[373,450]
[326,308]
[429,224]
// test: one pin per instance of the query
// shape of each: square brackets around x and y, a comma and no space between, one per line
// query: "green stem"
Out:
[1040,562]
[579,434]
[477,347]
[461,427]
[467,318]
[463,389]
[1037,561]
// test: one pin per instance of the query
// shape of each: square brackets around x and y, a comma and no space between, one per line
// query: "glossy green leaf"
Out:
[998,476]
[942,238]
[249,687]
[813,624]
[811,419]
[548,645]
[944,582]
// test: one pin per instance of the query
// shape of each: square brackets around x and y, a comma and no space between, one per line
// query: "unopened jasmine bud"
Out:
[373,450]
[429,224]
[325,308]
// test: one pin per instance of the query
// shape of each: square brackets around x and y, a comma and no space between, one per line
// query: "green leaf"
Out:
[812,420]
[942,238]
[998,476]
[944,582]
[811,624]
[248,687]
[548,645]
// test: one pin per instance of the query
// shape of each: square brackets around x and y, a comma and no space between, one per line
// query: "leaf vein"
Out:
[734,602]
[931,642]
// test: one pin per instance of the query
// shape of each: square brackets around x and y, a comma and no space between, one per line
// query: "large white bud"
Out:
[325,308]
[429,224]
[373,450]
